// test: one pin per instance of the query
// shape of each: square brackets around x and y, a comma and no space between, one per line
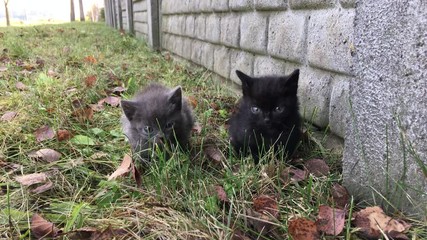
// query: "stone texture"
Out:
[386,147]
[230,30]
[166,43]
[196,51]
[177,45]
[207,56]
[140,16]
[140,6]
[177,24]
[348,3]
[222,61]
[213,31]
[141,27]
[314,93]
[298,4]
[186,48]
[330,38]
[339,106]
[253,32]
[286,36]
[270,4]
[189,26]
[264,65]
[200,27]
[241,4]
[242,61]
[219,5]
[205,5]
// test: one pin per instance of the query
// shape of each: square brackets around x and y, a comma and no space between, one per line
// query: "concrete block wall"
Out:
[140,18]
[267,37]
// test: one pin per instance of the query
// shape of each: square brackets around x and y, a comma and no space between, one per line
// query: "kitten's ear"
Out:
[129,109]
[246,82]
[291,84]
[175,98]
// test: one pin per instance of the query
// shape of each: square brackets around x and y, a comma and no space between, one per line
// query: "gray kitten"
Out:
[157,116]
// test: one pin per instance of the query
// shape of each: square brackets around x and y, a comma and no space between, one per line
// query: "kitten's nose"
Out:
[267,120]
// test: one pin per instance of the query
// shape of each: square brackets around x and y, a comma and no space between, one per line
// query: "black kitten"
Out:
[267,115]
[157,116]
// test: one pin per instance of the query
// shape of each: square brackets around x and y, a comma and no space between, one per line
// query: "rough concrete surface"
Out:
[386,147]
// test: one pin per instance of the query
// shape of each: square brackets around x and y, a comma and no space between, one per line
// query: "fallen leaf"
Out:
[214,154]
[330,220]
[97,107]
[8,116]
[63,135]
[197,128]
[43,188]
[192,100]
[265,203]
[31,179]
[82,233]
[109,233]
[46,154]
[40,63]
[44,133]
[118,90]
[291,174]
[20,86]
[262,223]
[83,114]
[78,103]
[82,140]
[112,101]
[28,67]
[371,219]
[317,167]
[90,59]
[340,195]
[303,229]
[41,228]
[90,81]
[123,168]
[3,68]
[222,195]
[136,175]
[52,73]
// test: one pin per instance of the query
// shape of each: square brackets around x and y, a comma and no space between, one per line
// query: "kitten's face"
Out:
[269,99]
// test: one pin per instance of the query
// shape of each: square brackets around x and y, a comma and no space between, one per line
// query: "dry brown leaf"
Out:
[262,223]
[109,233]
[97,107]
[220,192]
[214,154]
[83,114]
[90,81]
[41,228]
[303,229]
[136,175]
[44,133]
[193,101]
[330,220]
[291,174]
[112,101]
[317,167]
[371,219]
[46,154]
[118,90]
[43,188]
[20,86]
[52,73]
[8,116]
[40,63]
[340,195]
[31,179]
[124,168]
[265,203]
[63,135]
[90,59]
[3,68]
[197,128]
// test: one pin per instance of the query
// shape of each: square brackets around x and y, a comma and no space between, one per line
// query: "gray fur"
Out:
[157,107]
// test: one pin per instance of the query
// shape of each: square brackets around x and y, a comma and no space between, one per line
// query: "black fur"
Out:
[267,115]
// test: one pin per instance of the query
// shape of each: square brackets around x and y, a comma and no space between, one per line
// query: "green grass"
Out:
[177,199]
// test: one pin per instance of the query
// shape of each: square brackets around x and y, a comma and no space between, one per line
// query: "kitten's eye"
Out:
[278,109]
[170,125]
[255,110]
[148,129]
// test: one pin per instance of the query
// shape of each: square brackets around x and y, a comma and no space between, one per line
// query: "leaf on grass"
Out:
[43,188]
[41,228]
[303,229]
[3,68]
[317,167]
[291,174]
[193,101]
[90,59]
[112,101]
[83,140]
[97,107]
[124,168]
[220,192]
[90,81]
[46,154]
[118,90]
[265,203]
[214,154]
[44,133]
[51,73]
[63,135]
[340,195]
[31,179]
[83,114]
[371,219]
[20,86]
[8,116]
[78,103]
[262,223]
[197,128]
[330,220]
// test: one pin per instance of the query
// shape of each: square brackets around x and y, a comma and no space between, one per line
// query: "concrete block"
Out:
[165,23]
[264,65]
[166,41]
[207,55]
[205,5]
[140,6]
[348,3]
[213,32]
[219,5]
[186,48]
[165,6]
[196,51]
[339,106]
[177,45]
[230,30]
[141,27]
[253,32]
[314,91]
[200,27]
[241,4]
[286,36]
[270,4]
[330,37]
[140,17]
[189,26]
[313,4]
[222,61]
[243,61]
